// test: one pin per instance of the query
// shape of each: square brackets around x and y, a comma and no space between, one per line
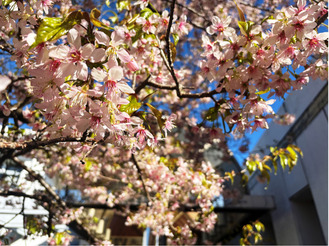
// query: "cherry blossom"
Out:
[124,111]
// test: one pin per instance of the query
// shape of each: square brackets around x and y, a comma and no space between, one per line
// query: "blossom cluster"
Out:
[112,92]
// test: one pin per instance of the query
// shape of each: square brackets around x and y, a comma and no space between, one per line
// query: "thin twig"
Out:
[189,9]
[141,178]
[142,85]
[40,179]
[21,212]
[111,179]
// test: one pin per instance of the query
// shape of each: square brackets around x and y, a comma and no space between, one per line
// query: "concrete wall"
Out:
[301,215]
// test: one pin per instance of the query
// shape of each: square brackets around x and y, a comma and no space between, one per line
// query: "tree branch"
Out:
[171,70]
[22,194]
[61,204]
[321,19]
[25,147]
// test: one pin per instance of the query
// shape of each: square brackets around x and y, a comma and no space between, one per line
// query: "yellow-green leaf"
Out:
[259,226]
[241,14]
[173,52]
[283,160]
[263,92]
[176,38]
[292,153]
[139,31]
[245,27]
[157,114]
[132,106]
[58,238]
[296,149]
[88,164]
[258,237]
[122,5]
[52,28]
[230,176]
[244,180]
[146,13]
[94,15]
[212,114]
[6,2]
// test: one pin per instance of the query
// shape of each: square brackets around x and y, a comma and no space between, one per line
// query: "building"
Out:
[301,197]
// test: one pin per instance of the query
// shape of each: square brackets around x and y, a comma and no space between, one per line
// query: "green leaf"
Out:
[258,238]
[251,166]
[296,149]
[141,114]
[267,167]
[283,160]
[230,176]
[113,18]
[243,27]
[273,149]
[58,238]
[88,163]
[292,154]
[157,114]
[212,114]
[6,2]
[263,92]
[176,38]
[94,15]
[248,227]
[132,22]
[146,13]
[293,40]
[122,5]
[244,180]
[259,226]
[173,51]
[52,28]
[139,31]
[132,106]
[241,14]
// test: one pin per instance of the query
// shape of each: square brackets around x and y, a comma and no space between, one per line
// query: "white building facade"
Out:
[301,197]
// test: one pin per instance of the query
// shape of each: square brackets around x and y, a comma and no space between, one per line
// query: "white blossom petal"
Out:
[98,74]
[73,38]
[125,88]
[102,38]
[87,50]
[4,82]
[116,73]
[82,69]
[98,55]
[59,52]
